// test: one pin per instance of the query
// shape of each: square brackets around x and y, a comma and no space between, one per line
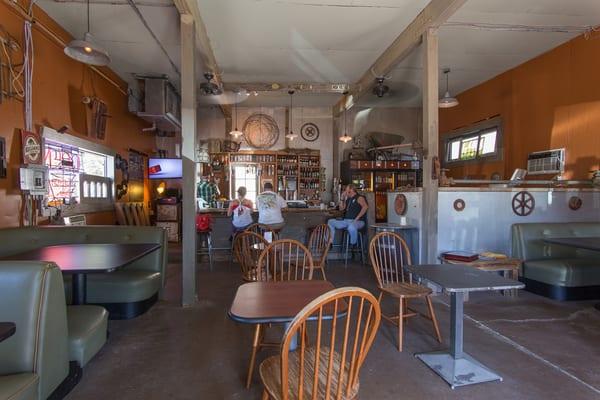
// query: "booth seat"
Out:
[558,272]
[35,360]
[125,293]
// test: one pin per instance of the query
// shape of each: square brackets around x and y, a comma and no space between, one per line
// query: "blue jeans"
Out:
[349,224]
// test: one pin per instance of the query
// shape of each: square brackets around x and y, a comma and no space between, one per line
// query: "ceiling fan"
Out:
[211,92]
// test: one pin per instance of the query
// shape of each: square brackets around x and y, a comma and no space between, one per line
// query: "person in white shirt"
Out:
[269,205]
[241,210]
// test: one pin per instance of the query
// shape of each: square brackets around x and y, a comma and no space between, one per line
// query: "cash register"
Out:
[297,204]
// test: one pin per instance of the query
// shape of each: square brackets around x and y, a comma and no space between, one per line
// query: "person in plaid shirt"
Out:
[207,190]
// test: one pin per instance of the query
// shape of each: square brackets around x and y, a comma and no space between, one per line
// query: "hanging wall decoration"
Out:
[309,132]
[122,165]
[575,203]
[261,131]
[99,116]
[459,205]
[523,203]
[32,147]
[400,204]
[2,158]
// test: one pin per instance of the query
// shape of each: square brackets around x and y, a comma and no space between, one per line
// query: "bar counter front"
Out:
[297,223]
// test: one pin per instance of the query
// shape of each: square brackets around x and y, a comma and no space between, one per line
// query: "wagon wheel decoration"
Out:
[459,205]
[261,131]
[523,203]
[400,204]
[309,132]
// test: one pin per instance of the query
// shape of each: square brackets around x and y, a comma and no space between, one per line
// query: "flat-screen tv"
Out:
[164,168]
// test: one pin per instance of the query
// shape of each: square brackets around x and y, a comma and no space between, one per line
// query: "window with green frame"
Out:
[474,145]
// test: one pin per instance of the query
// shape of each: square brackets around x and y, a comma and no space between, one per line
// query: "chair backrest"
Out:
[319,242]
[247,247]
[259,229]
[285,260]
[32,296]
[389,253]
[346,322]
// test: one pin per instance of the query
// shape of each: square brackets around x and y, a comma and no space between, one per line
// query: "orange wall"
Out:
[59,83]
[551,101]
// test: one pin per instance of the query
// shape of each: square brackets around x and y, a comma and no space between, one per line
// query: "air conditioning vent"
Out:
[156,100]
[546,162]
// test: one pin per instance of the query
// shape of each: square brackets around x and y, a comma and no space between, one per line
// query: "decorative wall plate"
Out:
[523,203]
[261,131]
[400,204]
[575,203]
[459,205]
[309,132]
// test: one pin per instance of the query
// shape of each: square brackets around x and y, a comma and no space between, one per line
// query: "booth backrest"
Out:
[132,213]
[32,296]
[528,239]
[17,240]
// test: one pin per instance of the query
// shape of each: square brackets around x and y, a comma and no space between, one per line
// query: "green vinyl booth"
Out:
[52,342]
[126,292]
[555,271]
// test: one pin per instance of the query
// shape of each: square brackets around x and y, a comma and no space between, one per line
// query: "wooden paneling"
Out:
[548,102]
[59,83]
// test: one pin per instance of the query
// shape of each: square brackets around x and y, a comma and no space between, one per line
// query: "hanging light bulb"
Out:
[86,50]
[291,135]
[447,101]
[345,137]
[236,133]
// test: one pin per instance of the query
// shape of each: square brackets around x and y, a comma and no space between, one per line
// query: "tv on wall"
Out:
[165,168]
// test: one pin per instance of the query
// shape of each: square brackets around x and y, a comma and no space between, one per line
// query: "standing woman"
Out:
[241,209]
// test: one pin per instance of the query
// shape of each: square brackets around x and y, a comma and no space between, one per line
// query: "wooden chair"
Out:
[261,229]
[282,260]
[388,253]
[247,247]
[285,260]
[319,242]
[329,367]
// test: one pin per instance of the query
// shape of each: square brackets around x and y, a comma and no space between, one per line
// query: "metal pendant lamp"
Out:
[86,50]
[447,101]
[345,137]
[291,135]
[236,133]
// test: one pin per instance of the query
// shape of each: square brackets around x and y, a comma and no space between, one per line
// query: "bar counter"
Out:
[297,223]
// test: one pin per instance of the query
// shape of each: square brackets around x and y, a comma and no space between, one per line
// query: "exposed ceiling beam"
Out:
[305,87]
[432,16]
[206,53]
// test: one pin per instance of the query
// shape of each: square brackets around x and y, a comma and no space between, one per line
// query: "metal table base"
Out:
[455,366]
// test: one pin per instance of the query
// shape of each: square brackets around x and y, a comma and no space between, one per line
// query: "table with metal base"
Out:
[455,366]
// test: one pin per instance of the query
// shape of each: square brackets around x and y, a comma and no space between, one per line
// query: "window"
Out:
[80,172]
[480,142]
[246,175]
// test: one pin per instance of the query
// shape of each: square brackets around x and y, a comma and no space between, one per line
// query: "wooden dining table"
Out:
[87,258]
[276,302]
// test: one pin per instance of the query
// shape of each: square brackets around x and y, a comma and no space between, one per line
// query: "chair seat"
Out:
[19,386]
[405,289]
[87,332]
[270,373]
[122,286]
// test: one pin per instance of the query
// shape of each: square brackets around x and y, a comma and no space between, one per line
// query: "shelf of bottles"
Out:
[310,177]
[287,166]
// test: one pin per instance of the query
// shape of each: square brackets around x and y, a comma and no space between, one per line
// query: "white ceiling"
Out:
[117,28]
[335,41]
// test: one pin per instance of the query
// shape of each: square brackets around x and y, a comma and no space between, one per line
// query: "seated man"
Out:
[355,209]
[269,205]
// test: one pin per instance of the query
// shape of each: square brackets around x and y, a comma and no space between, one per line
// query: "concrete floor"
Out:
[543,349]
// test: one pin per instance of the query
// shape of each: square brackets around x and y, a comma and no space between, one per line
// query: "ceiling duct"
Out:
[156,100]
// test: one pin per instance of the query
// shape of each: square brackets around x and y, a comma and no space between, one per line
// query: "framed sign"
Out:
[32,147]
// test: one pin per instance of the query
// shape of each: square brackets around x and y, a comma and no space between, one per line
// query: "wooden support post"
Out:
[188,146]
[429,232]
